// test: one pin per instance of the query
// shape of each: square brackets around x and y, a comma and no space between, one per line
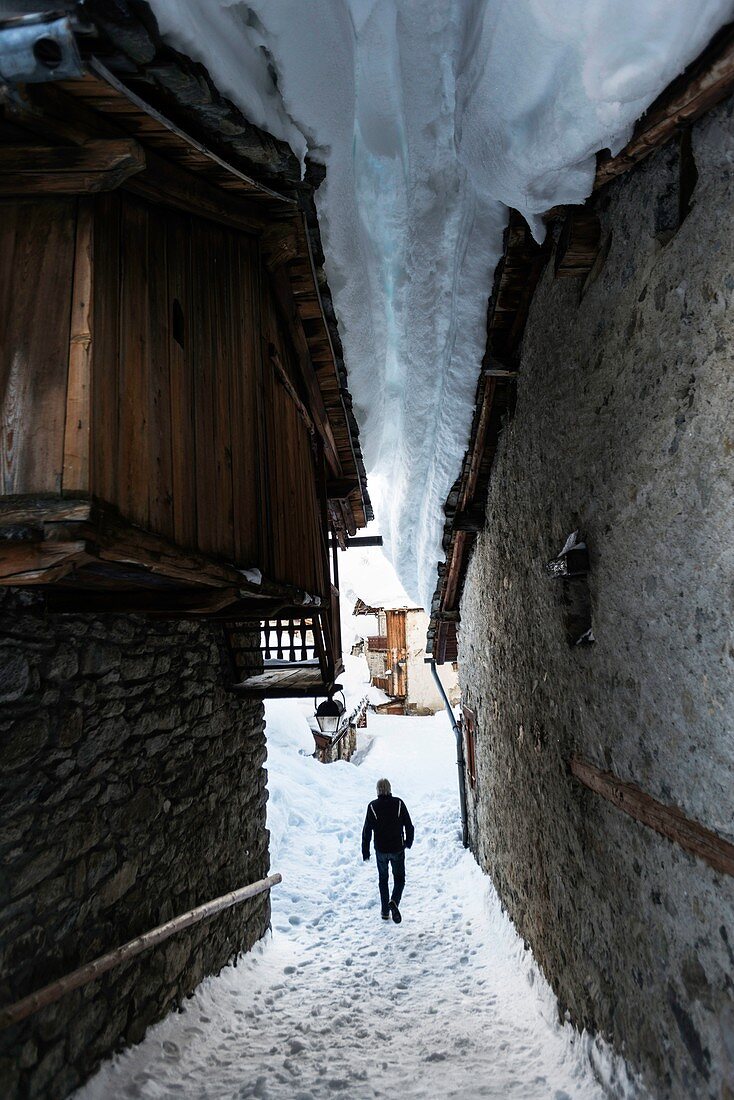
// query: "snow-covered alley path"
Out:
[338,1002]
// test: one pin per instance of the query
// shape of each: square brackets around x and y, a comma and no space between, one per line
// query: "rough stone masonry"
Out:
[132,790]
[624,431]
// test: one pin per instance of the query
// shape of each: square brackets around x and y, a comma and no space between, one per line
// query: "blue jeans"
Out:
[384,859]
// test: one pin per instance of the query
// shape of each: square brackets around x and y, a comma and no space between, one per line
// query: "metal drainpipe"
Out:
[459,754]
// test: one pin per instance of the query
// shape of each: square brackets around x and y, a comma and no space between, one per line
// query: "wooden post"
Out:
[75,476]
[14,1013]
[669,821]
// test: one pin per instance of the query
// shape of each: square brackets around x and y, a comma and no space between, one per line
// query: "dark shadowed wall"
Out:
[132,788]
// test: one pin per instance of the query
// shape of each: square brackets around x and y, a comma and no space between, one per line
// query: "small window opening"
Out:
[675,202]
[571,567]
[577,609]
[688,175]
[178,325]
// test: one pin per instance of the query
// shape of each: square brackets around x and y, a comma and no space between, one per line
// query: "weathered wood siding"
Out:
[176,445]
[397,652]
[291,486]
[37,243]
[192,435]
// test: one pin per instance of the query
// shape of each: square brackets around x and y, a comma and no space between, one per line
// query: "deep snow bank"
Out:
[432,118]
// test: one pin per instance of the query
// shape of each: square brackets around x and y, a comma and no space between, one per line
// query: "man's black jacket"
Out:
[388,818]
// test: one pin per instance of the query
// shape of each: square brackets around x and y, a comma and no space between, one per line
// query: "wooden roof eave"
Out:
[321,347]
[701,86]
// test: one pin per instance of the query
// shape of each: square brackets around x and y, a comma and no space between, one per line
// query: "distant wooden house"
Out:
[396,658]
[176,437]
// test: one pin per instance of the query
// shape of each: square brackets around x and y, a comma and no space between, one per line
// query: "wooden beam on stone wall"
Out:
[668,821]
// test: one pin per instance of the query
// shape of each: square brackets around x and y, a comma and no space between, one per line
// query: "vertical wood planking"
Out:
[201,366]
[225,365]
[9,339]
[160,483]
[181,381]
[106,359]
[276,427]
[37,248]
[396,646]
[211,390]
[76,473]
[243,383]
[262,373]
[133,451]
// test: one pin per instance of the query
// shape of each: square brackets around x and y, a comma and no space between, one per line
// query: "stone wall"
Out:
[624,430]
[132,789]
[342,748]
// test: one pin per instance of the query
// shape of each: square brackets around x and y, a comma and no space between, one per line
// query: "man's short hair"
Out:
[383,786]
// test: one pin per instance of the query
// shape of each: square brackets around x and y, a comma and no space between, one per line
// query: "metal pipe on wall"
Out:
[459,753]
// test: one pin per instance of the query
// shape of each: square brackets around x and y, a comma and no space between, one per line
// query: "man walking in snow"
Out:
[389,820]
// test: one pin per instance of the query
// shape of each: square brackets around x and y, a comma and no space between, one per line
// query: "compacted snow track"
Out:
[338,1002]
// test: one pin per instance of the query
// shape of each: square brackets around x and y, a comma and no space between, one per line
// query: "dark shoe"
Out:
[386,916]
[395,912]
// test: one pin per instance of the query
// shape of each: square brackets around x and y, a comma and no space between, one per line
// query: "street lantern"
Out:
[330,713]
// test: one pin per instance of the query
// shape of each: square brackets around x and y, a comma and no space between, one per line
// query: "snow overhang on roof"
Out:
[706,82]
[120,44]
[361,608]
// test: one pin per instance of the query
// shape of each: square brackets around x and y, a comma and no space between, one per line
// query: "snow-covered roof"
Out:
[361,608]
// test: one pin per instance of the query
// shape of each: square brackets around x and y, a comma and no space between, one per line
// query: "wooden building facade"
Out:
[176,436]
[396,658]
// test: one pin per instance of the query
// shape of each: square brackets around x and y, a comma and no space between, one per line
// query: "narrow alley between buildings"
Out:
[336,1002]
[284,285]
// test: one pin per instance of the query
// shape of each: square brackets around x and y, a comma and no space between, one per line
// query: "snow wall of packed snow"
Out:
[433,118]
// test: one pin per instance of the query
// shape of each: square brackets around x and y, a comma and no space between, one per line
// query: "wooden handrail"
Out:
[14,1013]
